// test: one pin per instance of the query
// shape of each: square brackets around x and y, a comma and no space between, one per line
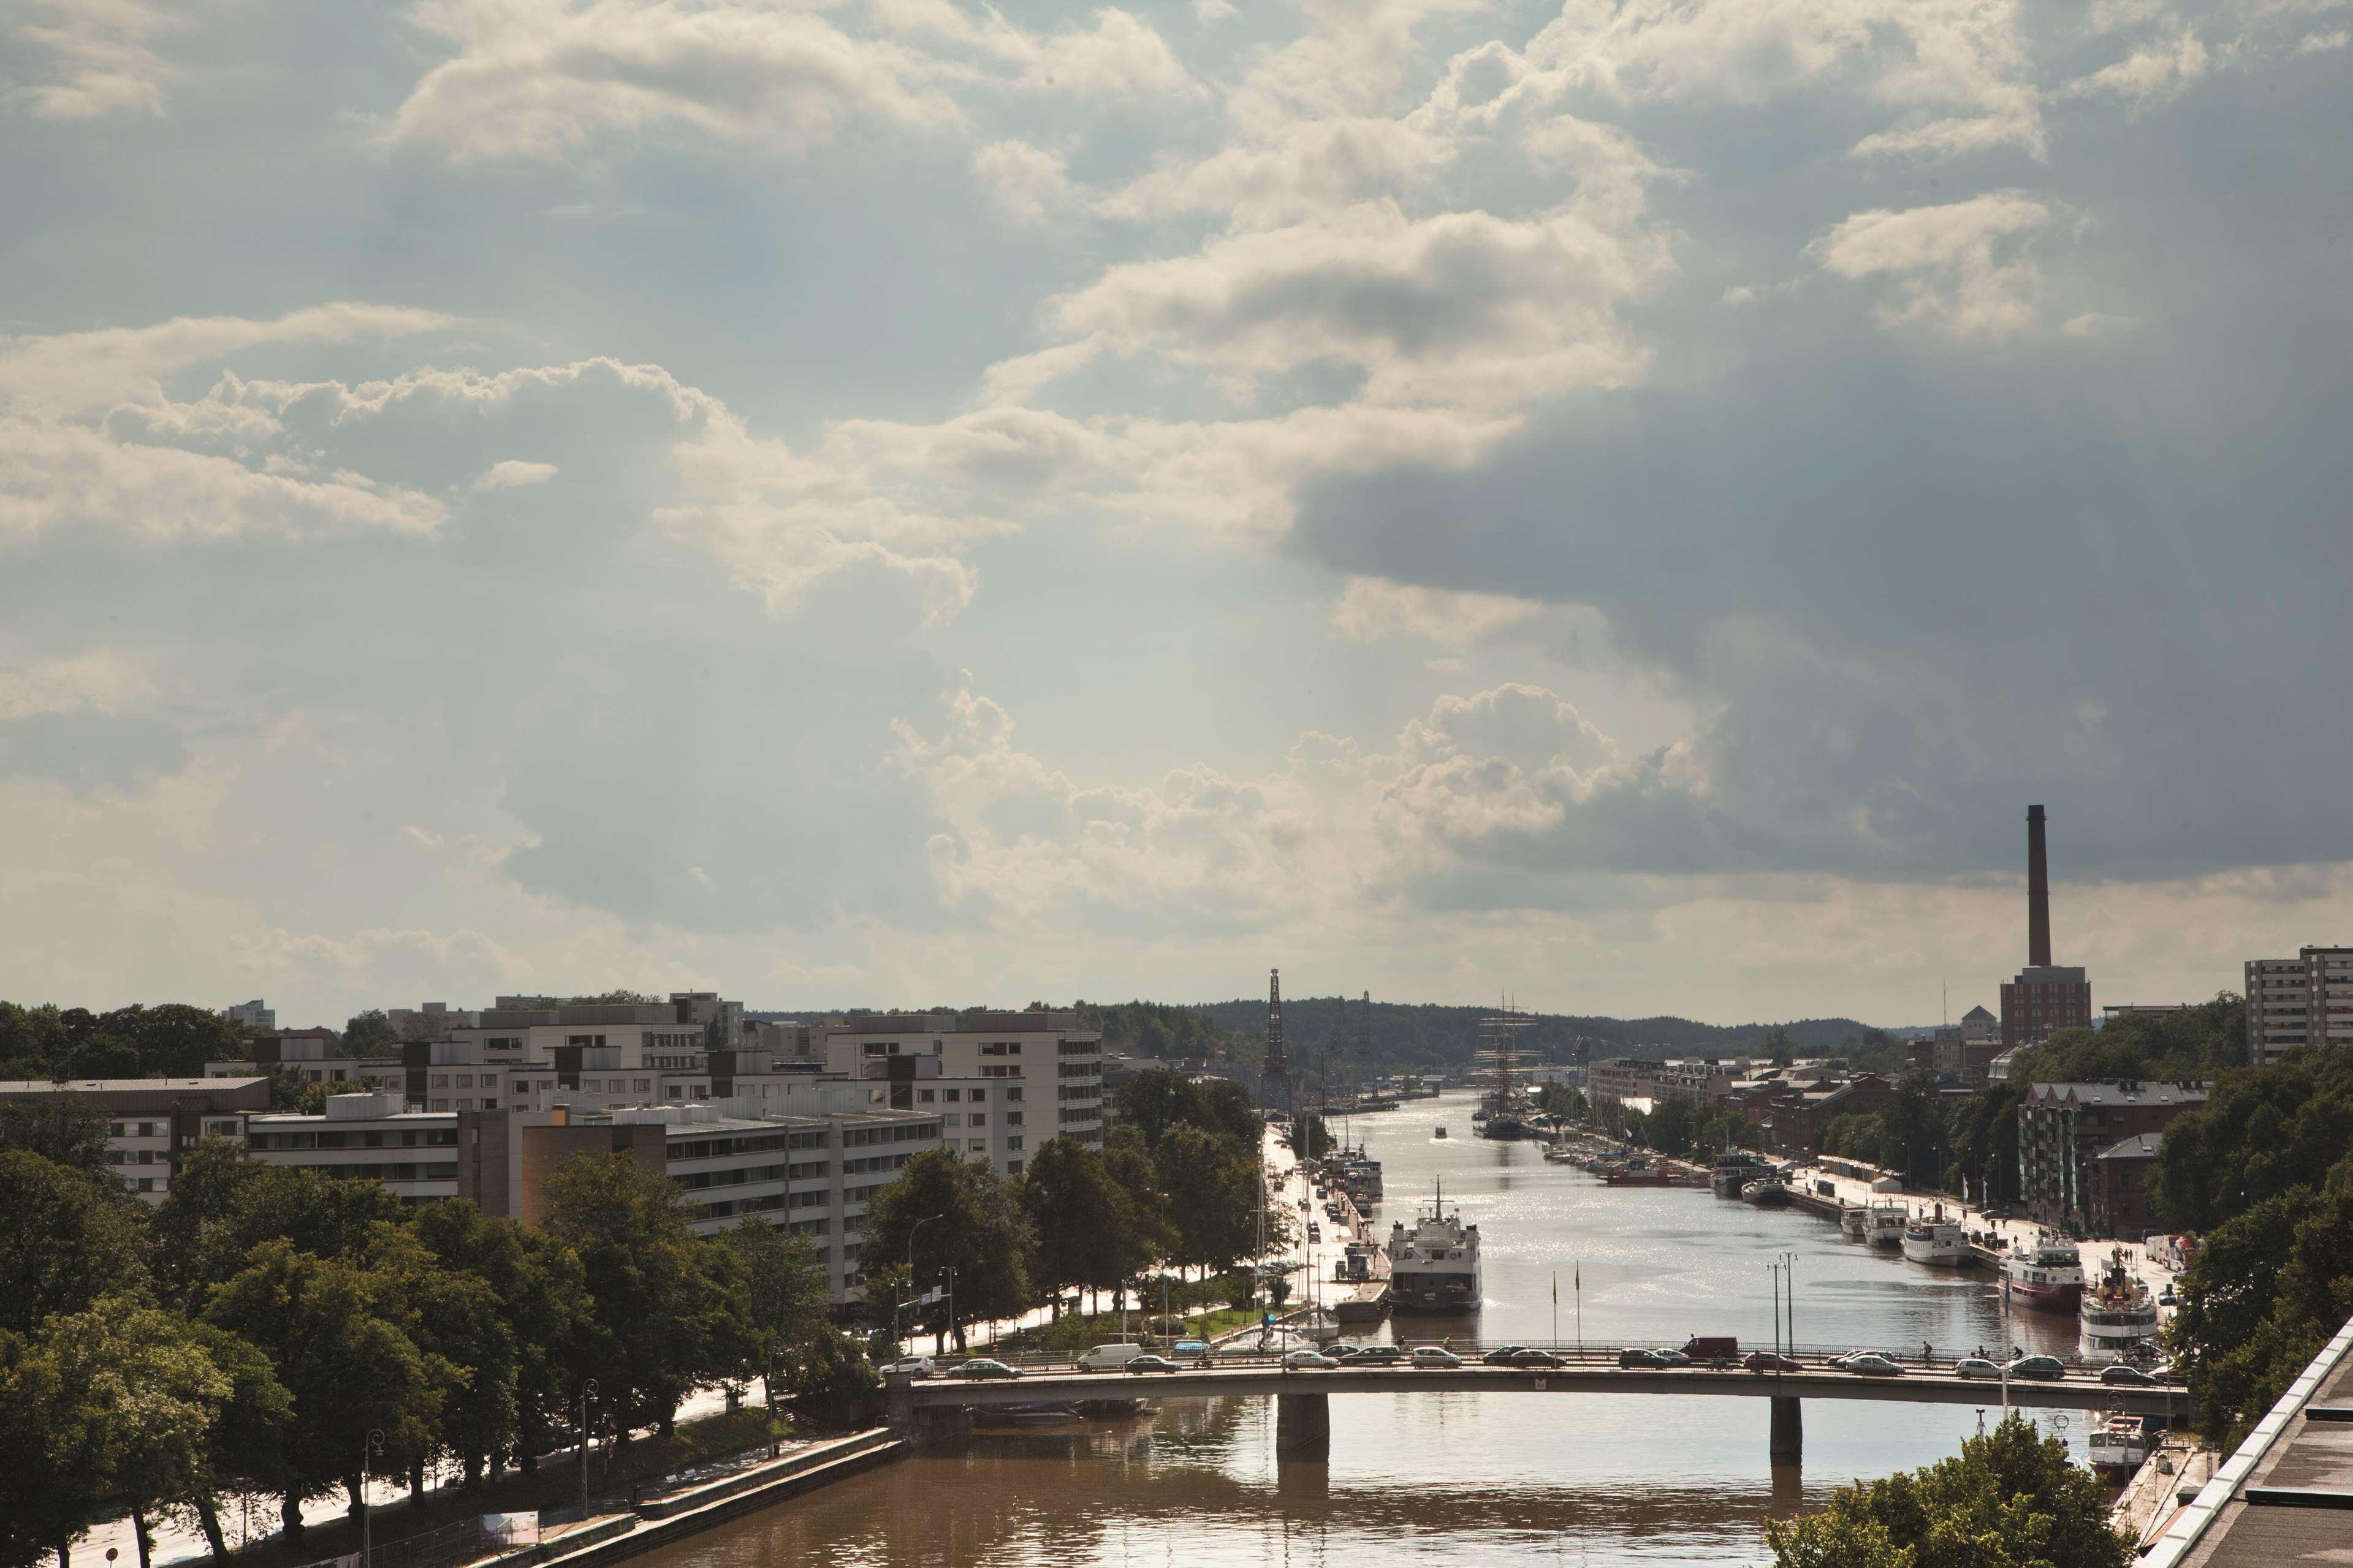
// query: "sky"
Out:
[898,503]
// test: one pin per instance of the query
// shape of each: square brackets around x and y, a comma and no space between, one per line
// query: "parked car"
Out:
[1308,1361]
[916,1366]
[1435,1356]
[1315,1233]
[980,1369]
[1537,1358]
[2128,1377]
[2042,1368]
[1501,1355]
[1872,1364]
[1771,1360]
[1374,1355]
[1108,1358]
[1636,1356]
[1153,1364]
[1975,1366]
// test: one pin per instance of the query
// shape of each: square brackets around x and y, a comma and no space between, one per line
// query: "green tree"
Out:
[33,1041]
[1079,1217]
[245,1450]
[666,1325]
[58,1438]
[834,1386]
[454,1316]
[339,1337]
[224,1202]
[2010,1499]
[369,1034]
[2263,1131]
[67,1240]
[2266,1291]
[159,1394]
[69,1130]
[1149,1237]
[786,1296]
[2194,1043]
[980,1234]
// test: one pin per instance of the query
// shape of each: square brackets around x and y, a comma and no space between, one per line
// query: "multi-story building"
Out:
[1039,1065]
[152,1121]
[2043,999]
[369,1137]
[253,1014]
[2306,1000]
[1794,1117]
[814,1175]
[2119,1195]
[2062,1128]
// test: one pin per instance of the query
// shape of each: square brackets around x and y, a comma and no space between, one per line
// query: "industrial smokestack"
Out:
[2038,893]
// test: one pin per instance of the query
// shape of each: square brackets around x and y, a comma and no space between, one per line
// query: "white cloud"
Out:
[105,59]
[100,681]
[512,472]
[1207,11]
[1957,268]
[2320,43]
[537,78]
[1371,608]
[1027,183]
[1119,55]
[2148,75]
[2097,324]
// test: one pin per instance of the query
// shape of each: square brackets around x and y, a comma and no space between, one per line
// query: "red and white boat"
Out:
[2047,1277]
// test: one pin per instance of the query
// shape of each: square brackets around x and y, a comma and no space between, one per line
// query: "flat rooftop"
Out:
[2314,1460]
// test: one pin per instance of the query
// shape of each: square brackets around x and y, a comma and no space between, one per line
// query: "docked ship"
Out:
[2047,1277]
[1735,1169]
[1434,1264]
[1854,1221]
[1639,1173]
[2118,1315]
[1937,1241]
[1887,1224]
[1766,1192]
[2119,1445]
[1502,1112]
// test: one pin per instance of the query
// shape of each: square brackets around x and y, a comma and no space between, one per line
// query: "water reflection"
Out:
[1604,1480]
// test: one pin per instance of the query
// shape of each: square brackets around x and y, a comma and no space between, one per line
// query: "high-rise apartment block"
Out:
[2306,1000]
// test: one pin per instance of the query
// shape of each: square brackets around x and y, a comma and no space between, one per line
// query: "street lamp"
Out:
[895,1304]
[587,1398]
[371,1444]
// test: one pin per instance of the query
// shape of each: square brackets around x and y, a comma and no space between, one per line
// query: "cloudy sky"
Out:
[895,502]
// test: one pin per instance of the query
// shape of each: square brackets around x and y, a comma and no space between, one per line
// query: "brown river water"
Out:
[1495,1478]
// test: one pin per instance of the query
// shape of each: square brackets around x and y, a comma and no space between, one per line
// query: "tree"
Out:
[223,1204]
[1149,1237]
[1315,1139]
[158,1395]
[58,1470]
[1778,1047]
[245,1450]
[67,1241]
[2010,1499]
[834,1385]
[786,1296]
[68,1129]
[454,1315]
[2266,1291]
[369,1034]
[2194,1043]
[1079,1217]
[980,1234]
[339,1337]
[2263,1131]
[663,1322]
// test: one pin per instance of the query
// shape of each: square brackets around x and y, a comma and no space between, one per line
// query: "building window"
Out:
[955,1095]
[978,1119]
[440,1105]
[1012,1167]
[1013,1142]
[925,1096]
[440,1081]
[978,1095]
[976,1145]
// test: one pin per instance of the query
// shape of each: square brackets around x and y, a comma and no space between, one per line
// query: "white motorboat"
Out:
[2047,1277]
[2119,1314]
[1886,1226]
[1937,1241]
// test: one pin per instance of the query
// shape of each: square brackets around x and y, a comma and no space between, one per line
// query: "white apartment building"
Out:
[2306,1000]
[150,1121]
[1016,1078]
[366,1137]
[254,1014]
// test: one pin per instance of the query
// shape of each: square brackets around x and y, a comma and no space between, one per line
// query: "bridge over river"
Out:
[942,1407]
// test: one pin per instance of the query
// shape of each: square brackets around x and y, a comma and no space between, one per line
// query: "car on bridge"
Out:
[1435,1356]
[1771,1360]
[1374,1355]
[915,1366]
[1152,1363]
[1501,1355]
[2039,1368]
[1975,1366]
[1635,1356]
[1870,1363]
[1308,1361]
[980,1369]
[1671,1357]
[1532,1357]
[2129,1376]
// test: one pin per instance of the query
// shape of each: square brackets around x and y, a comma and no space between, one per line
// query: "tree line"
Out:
[243,1339]
[1176,1184]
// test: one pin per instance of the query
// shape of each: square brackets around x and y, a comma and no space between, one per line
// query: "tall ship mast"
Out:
[1501,1112]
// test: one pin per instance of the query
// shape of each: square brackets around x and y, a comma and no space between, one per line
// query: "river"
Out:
[1492,1478]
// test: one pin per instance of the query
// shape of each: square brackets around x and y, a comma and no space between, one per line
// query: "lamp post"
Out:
[949,1273]
[371,1444]
[913,1231]
[587,1398]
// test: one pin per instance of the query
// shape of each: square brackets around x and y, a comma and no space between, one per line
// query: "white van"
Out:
[1108,1358]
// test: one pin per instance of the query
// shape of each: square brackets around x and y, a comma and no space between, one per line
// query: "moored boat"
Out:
[2047,1277]
[1937,1241]
[2119,1315]
[1766,1192]
[2119,1444]
[1886,1226]
[1434,1265]
[1735,1169]
[1639,1173]
[1854,1220]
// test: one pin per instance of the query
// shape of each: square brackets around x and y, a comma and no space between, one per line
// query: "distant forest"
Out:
[1403,1035]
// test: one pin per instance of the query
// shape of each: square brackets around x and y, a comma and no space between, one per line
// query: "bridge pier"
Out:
[937,1426]
[1788,1442]
[1302,1426]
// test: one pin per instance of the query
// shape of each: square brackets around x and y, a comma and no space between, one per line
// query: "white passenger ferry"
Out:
[1434,1264]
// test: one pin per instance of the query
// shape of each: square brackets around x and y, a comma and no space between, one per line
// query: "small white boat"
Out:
[1854,1220]
[1937,1241]
[1887,1224]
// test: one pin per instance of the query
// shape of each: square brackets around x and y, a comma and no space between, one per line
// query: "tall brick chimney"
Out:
[2038,893]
